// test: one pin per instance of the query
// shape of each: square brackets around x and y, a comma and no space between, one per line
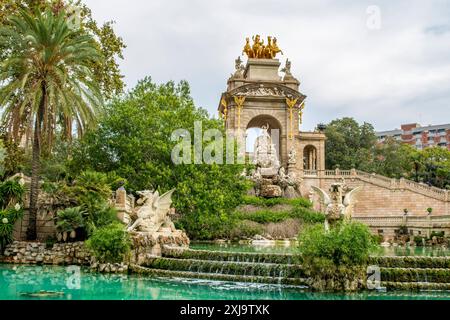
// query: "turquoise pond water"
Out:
[72,283]
[291,248]
[21,282]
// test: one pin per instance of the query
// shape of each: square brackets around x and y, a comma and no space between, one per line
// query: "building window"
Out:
[380,231]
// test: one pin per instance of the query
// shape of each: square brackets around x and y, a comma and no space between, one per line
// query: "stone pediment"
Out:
[266,90]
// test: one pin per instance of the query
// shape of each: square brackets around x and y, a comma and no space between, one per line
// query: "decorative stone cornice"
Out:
[267,90]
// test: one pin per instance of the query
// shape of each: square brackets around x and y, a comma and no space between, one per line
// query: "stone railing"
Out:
[382,181]
[429,221]
[386,221]
[310,173]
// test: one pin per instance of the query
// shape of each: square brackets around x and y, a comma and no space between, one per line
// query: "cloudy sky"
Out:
[386,71]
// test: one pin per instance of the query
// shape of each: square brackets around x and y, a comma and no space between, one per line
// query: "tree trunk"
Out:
[35,167]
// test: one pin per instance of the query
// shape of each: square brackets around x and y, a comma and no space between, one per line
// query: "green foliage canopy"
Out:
[133,140]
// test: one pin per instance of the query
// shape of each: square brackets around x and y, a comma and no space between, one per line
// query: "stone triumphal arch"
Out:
[261,95]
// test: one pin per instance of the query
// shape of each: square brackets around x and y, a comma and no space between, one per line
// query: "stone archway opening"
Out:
[253,130]
[310,158]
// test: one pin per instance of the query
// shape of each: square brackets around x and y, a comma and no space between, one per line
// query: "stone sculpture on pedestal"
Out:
[271,180]
[336,208]
[152,228]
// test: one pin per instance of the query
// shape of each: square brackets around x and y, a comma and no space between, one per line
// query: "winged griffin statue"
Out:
[153,212]
[336,208]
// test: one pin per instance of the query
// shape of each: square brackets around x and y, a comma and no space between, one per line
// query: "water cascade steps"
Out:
[226,266]
[397,273]
[414,273]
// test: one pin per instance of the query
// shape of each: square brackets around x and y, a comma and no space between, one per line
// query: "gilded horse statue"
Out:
[260,51]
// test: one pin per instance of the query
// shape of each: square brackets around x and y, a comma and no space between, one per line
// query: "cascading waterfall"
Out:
[406,273]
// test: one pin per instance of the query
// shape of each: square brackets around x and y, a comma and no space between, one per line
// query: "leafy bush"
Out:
[418,240]
[307,215]
[100,218]
[263,216]
[69,220]
[437,234]
[11,192]
[91,192]
[267,216]
[349,243]
[8,218]
[110,244]
[263,202]
[206,226]
[335,260]
[133,139]
[245,229]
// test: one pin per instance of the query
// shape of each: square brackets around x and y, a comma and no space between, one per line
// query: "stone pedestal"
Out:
[146,245]
[263,69]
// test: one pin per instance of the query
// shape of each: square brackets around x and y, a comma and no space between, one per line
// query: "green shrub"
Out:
[437,234]
[348,243]
[91,192]
[70,219]
[115,181]
[100,218]
[110,244]
[207,226]
[245,229]
[378,238]
[263,216]
[336,260]
[307,215]
[8,218]
[258,201]
[268,216]
[11,192]
[419,240]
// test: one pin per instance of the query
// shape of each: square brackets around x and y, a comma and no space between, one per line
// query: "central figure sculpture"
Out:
[261,51]
[265,154]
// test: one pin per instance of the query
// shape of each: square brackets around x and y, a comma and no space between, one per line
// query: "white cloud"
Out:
[397,74]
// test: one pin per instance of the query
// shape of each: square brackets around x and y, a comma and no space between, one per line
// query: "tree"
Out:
[434,166]
[349,145]
[133,139]
[48,66]
[394,159]
[105,71]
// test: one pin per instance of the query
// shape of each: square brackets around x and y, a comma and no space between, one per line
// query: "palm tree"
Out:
[45,81]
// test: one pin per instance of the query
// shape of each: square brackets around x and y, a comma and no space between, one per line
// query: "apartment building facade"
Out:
[419,136]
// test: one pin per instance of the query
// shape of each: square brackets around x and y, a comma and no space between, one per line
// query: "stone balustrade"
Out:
[382,181]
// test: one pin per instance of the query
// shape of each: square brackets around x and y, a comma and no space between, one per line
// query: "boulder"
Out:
[291,193]
[271,191]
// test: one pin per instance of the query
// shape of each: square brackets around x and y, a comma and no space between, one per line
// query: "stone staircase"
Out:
[384,182]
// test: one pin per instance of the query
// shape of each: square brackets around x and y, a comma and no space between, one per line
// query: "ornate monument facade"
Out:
[259,96]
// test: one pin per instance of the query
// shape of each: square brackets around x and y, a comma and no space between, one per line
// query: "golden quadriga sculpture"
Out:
[259,50]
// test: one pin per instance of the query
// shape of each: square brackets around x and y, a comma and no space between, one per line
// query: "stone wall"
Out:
[22,252]
[45,225]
